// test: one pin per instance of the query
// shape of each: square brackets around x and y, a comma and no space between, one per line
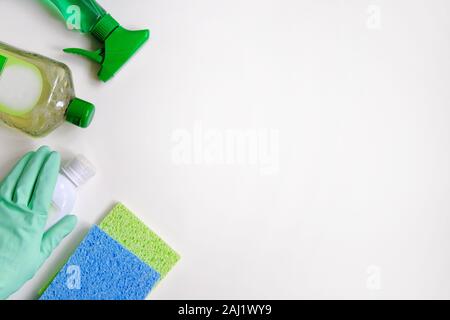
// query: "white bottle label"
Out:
[21,86]
[63,201]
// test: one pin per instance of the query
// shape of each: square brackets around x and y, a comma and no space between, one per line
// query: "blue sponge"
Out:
[102,269]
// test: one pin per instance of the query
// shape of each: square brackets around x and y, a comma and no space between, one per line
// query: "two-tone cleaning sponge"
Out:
[122,259]
[102,269]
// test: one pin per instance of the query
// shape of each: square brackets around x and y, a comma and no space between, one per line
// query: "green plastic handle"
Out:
[80,14]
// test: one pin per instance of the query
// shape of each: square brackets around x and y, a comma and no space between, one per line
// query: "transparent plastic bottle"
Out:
[37,94]
[72,176]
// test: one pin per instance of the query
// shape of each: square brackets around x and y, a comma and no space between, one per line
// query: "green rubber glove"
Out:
[25,198]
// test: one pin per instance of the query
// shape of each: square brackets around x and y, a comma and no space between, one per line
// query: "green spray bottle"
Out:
[118,43]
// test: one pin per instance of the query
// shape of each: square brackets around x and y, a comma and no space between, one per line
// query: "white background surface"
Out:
[359,207]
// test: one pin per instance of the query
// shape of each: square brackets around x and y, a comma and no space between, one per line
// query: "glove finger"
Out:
[45,184]
[27,180]
[8,185]
[53,236]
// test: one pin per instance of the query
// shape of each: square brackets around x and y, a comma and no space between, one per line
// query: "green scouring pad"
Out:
[124,227]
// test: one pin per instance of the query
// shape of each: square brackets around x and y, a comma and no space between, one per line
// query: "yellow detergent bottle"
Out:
[37,93]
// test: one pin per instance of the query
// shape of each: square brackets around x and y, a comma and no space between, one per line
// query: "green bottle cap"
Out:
[80,113]
[3,61]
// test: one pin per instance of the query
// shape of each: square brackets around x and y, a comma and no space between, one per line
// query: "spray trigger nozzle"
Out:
[119,45]
[96,56]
